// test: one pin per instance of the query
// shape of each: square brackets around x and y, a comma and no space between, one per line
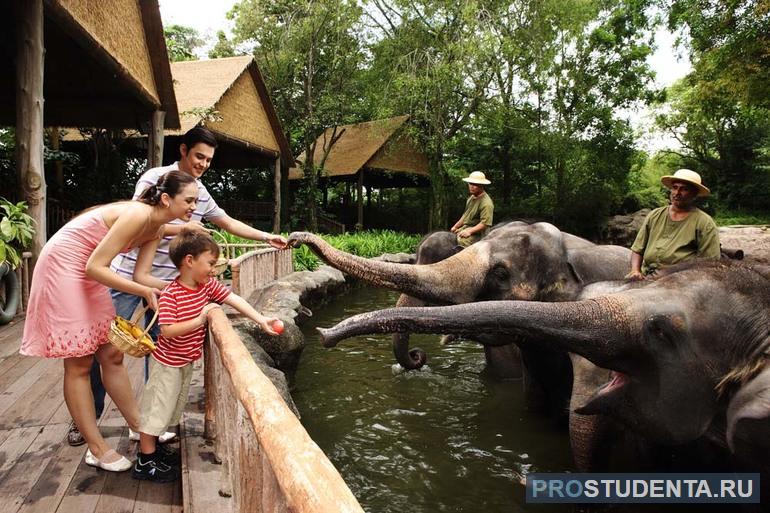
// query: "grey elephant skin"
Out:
[689,352]
[515,261]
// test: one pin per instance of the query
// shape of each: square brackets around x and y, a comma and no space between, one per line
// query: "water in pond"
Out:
[445,438]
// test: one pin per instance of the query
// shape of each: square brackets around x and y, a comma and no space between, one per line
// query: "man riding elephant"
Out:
[479,212]
[677,232]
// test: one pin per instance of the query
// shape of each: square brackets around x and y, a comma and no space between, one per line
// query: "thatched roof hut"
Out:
[82,63]
[377,154]
[374,146]
[229,97]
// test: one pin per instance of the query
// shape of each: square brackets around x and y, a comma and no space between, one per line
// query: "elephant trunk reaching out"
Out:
[597,329]
[438,283]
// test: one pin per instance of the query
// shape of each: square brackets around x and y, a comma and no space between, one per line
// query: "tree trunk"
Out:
[29,115]
[438,184]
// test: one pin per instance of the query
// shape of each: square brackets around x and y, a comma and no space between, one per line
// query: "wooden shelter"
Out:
[81,63]
[229,97]
[375,154]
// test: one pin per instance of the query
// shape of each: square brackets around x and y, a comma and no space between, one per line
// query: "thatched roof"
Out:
[106,64]
[234,91]
[381,145]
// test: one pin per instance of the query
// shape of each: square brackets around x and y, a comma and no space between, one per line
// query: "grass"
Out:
[366,244]
[727,218]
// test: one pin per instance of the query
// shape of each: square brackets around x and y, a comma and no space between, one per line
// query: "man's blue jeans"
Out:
[125,304]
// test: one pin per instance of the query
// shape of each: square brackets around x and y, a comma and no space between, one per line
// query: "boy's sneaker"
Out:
[169,455]
[153,468]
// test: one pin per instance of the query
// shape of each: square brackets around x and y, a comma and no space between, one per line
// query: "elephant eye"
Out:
[664,328]
[500,272]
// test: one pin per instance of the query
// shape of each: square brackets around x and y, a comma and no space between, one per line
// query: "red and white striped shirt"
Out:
[179,303]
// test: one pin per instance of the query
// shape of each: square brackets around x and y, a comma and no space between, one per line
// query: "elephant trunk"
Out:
[441,282]
[408,359]
[597,329]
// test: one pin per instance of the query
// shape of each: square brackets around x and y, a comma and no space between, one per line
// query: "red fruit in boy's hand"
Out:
[278,326]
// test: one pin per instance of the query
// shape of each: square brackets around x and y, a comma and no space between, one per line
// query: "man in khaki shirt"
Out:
[677,232]
[479,211]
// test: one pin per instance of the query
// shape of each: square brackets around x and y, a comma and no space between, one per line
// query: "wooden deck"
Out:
[39,472]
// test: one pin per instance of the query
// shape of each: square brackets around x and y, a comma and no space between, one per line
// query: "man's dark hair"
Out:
[191,242]
[197,135]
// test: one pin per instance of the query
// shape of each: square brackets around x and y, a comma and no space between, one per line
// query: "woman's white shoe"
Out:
[120,465]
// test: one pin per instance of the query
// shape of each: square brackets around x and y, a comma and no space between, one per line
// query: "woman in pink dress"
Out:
[70,308]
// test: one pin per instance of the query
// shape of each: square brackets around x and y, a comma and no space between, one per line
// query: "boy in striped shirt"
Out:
[182,314]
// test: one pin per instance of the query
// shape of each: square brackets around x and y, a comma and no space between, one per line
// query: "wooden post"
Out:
[360,200]
[155,140]
[30,56]
[58,165]
[277,195]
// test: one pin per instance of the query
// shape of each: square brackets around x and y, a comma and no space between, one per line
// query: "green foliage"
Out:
[728,218]
[729,44]
[16,231]
[364,244]
[310,54]
[223,47]
[182,42]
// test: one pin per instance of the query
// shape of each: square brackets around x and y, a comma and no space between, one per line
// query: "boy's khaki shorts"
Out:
[164,398]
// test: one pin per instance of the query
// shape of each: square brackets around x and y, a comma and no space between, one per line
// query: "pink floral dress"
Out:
[69,314]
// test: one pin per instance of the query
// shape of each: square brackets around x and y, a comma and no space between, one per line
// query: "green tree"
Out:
[182,42]
[729,43]
[432,61]
[223,47]
[310,53]
[726,141]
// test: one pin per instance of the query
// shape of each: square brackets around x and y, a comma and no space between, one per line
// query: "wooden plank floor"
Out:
[39,472]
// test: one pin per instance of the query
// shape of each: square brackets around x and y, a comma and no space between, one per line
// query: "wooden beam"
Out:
[30,56]
[155,140]
[277,196]
[360,200]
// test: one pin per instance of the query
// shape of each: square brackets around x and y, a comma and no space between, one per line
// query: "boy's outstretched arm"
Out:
[184,327]
[240,304]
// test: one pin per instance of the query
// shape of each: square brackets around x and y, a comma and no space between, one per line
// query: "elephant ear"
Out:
[577,261]
[751,402]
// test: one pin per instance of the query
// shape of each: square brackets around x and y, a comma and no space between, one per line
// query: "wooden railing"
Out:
[256,268]
[328,225]
[269,462]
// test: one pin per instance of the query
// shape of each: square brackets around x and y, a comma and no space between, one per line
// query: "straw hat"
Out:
[687,176]
[478,178]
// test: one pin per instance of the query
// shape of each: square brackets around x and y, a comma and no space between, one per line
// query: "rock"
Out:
[754,241]
[622,230]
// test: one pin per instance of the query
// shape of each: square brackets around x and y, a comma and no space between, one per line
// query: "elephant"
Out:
[689,352]
[516,260]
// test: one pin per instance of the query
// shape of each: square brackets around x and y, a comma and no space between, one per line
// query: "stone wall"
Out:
[291,299]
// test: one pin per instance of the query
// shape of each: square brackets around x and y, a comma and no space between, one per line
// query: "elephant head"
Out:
[687,350]
[515,260]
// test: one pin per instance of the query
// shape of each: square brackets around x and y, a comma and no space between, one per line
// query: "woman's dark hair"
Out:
[197,135]
[171,183]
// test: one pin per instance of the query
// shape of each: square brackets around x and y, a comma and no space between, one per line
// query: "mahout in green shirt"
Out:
[663,242]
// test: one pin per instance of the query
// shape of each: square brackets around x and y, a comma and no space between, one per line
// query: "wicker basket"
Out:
[127,342]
